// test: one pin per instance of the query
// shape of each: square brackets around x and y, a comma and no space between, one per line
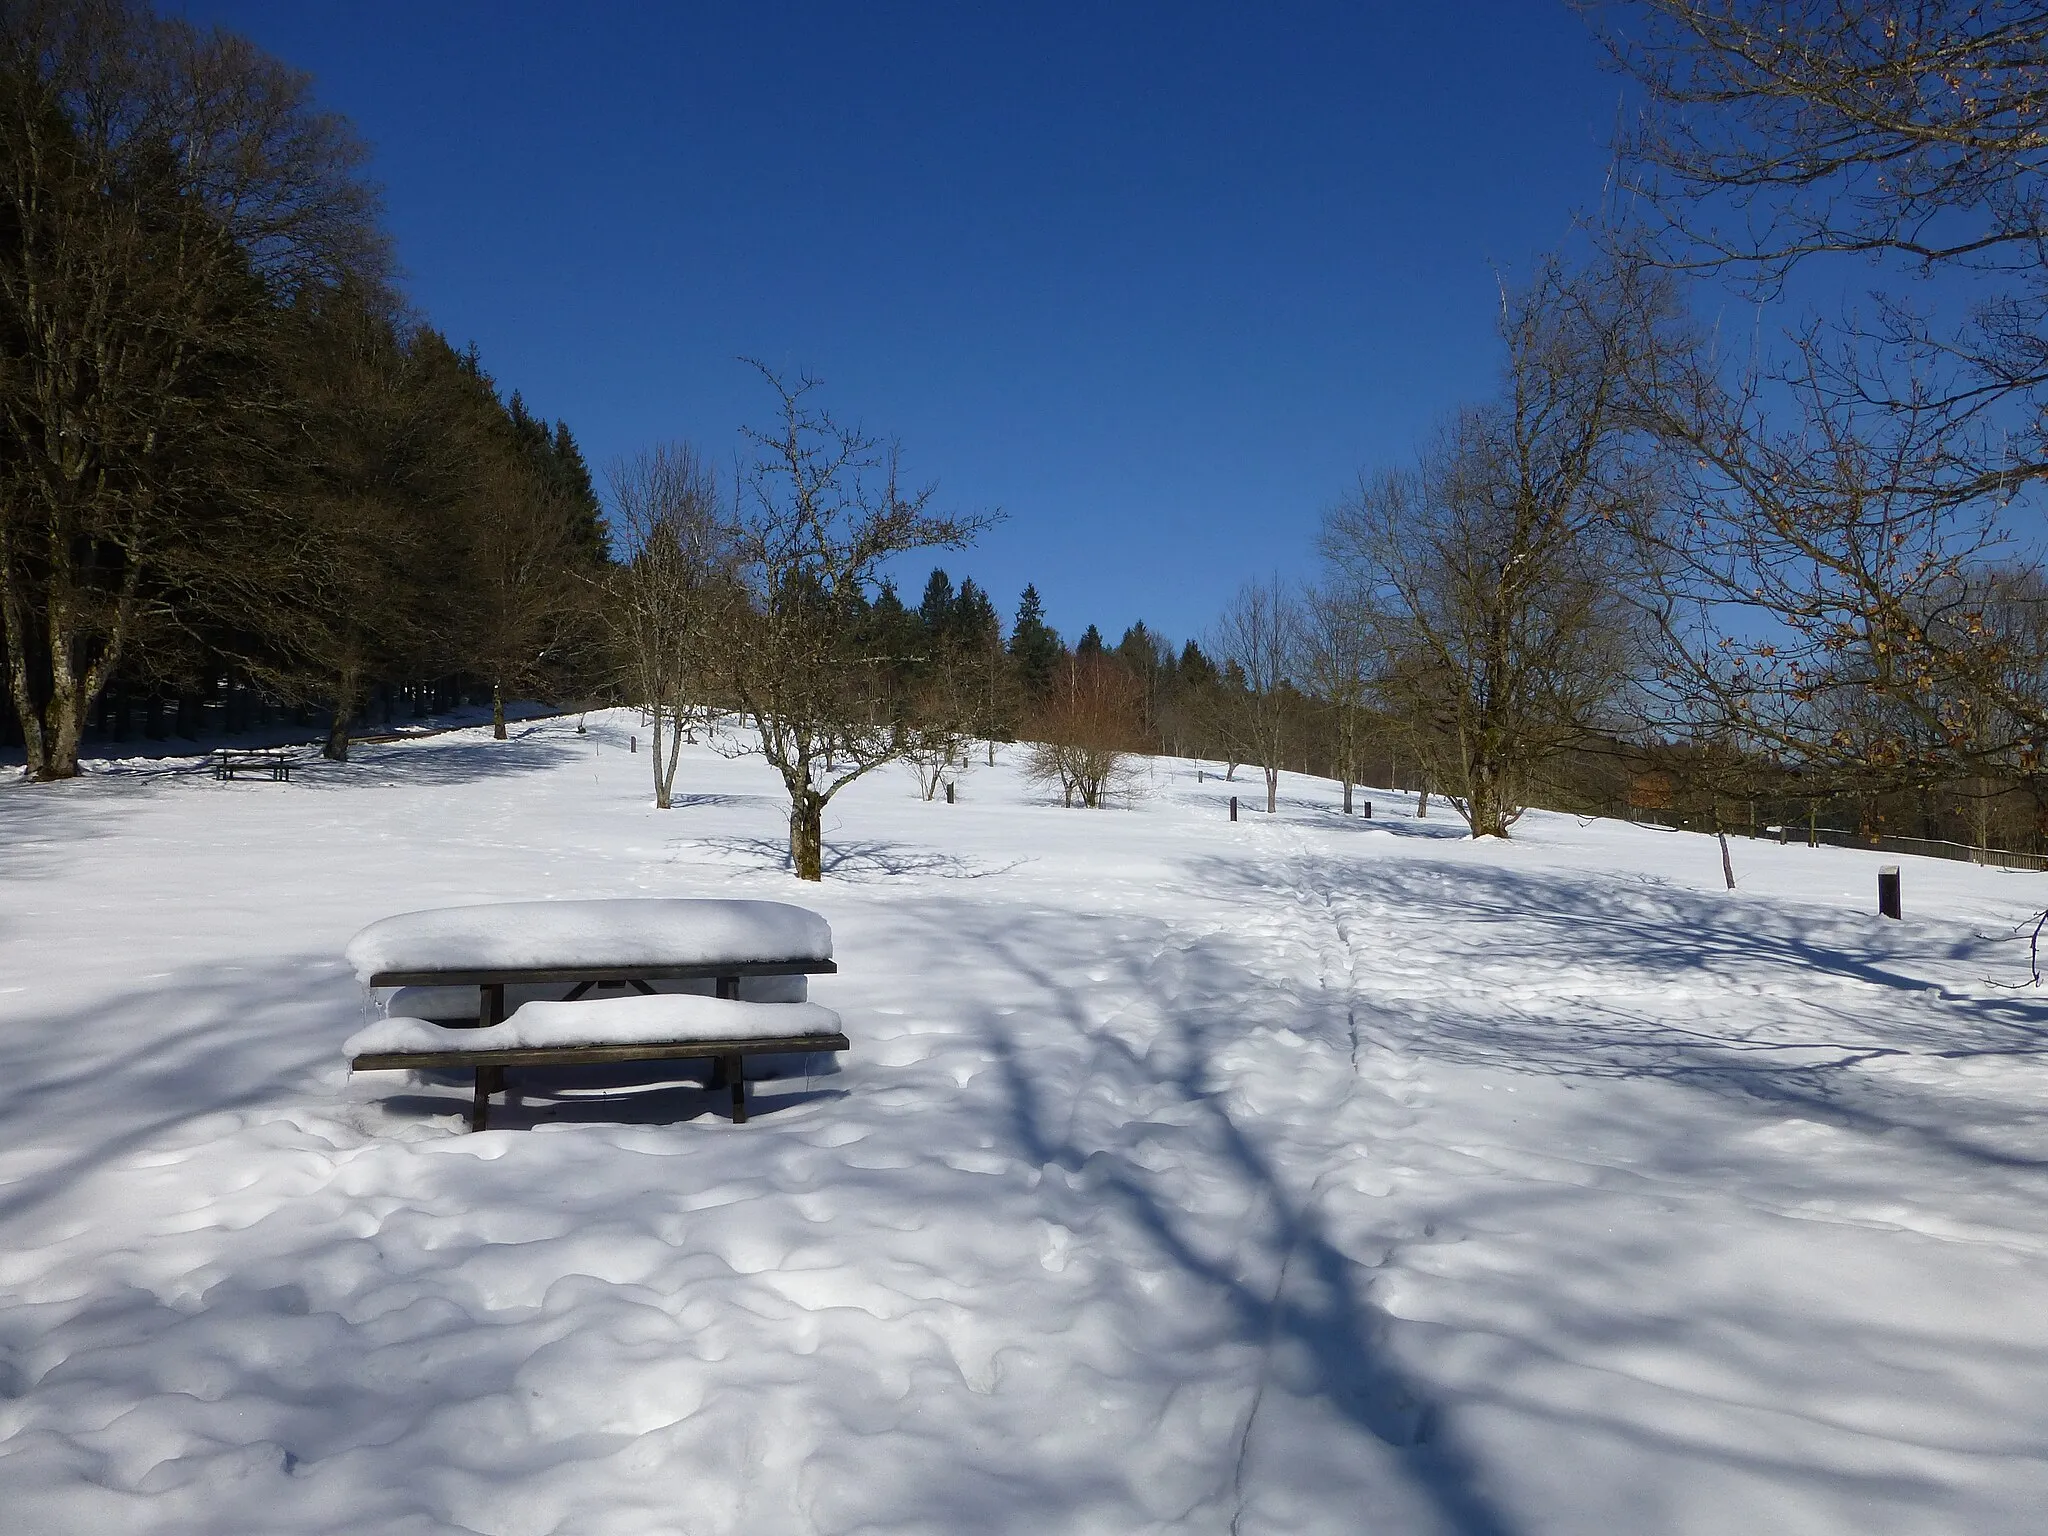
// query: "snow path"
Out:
[1297,1175]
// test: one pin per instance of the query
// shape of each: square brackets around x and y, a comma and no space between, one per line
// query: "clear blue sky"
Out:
[1154,279]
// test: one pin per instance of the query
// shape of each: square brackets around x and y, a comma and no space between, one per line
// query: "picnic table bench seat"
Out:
[657,1027]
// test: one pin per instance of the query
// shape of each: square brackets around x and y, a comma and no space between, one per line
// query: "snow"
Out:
[608,1021]
[589,934]
[1293,1175]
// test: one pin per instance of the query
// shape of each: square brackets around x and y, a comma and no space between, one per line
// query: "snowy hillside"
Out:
[1298,1175]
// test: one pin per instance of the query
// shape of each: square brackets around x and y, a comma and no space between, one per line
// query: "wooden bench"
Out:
[274,763]
[663,1027]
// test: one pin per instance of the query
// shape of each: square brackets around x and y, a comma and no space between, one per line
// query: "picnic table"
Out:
[273,763]
[576,946]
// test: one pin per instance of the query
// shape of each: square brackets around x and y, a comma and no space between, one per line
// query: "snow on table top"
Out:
[607,1021]
[543,935]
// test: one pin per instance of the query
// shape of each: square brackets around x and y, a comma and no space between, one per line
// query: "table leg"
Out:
[480,1104]
[729,987]
[490,1004]
[736,1072]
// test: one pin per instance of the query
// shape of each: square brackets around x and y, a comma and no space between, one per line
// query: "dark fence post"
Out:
[949,792]
[1888,892]
[632,743]
[1233,807]
[1365,810]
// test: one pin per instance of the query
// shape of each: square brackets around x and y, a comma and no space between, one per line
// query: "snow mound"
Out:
[537,935]
[607,1021]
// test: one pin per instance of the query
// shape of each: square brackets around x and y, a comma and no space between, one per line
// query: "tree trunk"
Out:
[336,748]
[1487,813]
[661,779]
[497,710]
[51,732]
[1272,790]
[1422,803]
[807,835]
[1347,794]
[666,753]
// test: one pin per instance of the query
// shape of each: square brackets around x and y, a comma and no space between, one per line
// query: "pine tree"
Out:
[975,622]
[1091,643]
[935,608]
[586,513]
[1034,646]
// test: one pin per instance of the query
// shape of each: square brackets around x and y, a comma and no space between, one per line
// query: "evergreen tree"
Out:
[975,623]
[1034,646]
[1091,643]
[935,609]
[586,513]
[1141,651]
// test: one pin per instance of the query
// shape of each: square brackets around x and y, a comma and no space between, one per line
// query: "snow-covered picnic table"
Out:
[584,944]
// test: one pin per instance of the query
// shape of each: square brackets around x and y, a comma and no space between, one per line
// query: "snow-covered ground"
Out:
[1297,1175]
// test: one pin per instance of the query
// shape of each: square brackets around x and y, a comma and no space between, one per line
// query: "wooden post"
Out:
[736,1073]
[1365,810]
[949,791]
[1198,775]
[633,744]
[1233,807]
[1888,892]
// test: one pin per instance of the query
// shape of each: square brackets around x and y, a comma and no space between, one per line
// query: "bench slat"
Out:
[586,1055]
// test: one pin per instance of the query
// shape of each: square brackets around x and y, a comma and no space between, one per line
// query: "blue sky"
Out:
[1156,280]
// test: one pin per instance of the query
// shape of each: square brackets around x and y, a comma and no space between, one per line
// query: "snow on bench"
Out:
[663,1018]
[447,1005]
[644,938]
[658,1027]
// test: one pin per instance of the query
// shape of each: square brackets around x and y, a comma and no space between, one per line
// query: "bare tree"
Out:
[1815,547]
[1084,730]
[524,603]
[1860,495]
[938,725]
[821,508]
[1494,569]
[331,578]
[666,601]
[1779,130]
[1339,664]
[1259,635]
[164,188]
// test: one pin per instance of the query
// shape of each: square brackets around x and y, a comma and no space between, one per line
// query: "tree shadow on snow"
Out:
[1638,953]
[434,761]
[860,861]
[1298,1296]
